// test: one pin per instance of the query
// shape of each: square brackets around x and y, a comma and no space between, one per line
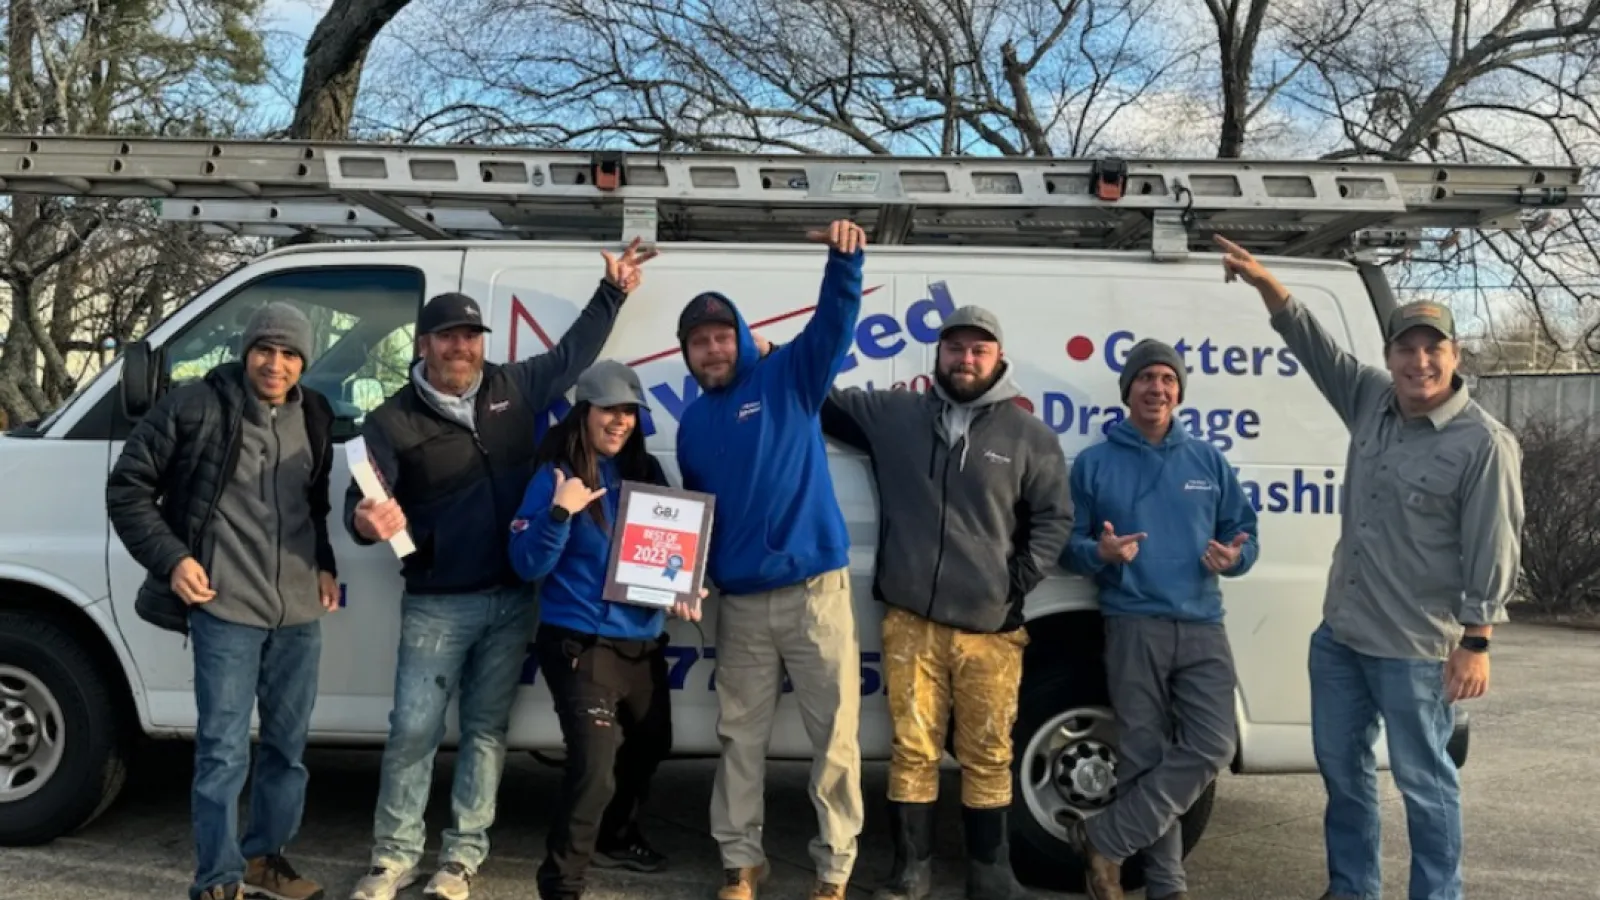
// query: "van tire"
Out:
[1042,859]
[49,680]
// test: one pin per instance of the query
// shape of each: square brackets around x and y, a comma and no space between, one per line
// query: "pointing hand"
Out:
[1119,550]
[1220,558]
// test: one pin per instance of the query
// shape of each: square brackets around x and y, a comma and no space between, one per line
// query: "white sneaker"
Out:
[453,881]
[383,884]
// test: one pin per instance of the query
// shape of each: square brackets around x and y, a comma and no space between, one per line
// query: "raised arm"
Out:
[813,358]
[135,483]
[1046,493]
[545,376]
[1348,384]
[1491,532]
[549,375]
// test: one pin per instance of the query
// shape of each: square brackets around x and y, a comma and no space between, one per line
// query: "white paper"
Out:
[371,484]
[651,597]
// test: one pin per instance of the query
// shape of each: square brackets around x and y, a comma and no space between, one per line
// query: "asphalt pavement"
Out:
[1532,798]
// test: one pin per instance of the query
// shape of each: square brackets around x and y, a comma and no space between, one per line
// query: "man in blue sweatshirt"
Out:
[1159,517]
[779,558]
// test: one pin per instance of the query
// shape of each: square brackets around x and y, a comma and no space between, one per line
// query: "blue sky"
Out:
[288,25]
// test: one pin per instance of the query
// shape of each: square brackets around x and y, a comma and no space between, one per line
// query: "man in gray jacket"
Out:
[953,634]
[221,494]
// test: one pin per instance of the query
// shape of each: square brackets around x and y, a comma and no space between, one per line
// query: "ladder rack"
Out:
[387,191]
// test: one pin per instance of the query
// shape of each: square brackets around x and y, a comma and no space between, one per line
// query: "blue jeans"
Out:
[1349,691]
[476,642]
[234,667]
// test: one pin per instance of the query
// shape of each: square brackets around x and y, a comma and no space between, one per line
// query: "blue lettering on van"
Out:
[1300,493]
[1211,357]
[1222,426]
[881,336]
[877,337]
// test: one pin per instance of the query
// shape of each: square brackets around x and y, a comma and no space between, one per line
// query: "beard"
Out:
[455,376]
[971,390]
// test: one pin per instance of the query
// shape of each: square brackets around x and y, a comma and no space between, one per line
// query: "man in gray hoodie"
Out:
[221,494]
[953,634]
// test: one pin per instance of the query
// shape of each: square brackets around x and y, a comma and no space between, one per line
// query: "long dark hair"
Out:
[567,446]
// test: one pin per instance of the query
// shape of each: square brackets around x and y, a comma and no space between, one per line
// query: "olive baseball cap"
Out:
[974,317]
[1422,312]
[609,383]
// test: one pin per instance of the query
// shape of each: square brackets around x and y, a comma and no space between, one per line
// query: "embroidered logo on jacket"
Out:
[994,457]
[749,409]
[1198,484]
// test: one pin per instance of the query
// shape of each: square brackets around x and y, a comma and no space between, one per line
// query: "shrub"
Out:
[1561,534]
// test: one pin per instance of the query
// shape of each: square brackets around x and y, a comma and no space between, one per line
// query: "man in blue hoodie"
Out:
[1159,517]
[779,558]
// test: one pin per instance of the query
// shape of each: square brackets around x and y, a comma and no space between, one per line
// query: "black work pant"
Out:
[616,718]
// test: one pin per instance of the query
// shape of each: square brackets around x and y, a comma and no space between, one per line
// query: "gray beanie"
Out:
[281,324]
[1147,353]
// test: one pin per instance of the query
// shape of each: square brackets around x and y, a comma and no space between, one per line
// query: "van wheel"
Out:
[62,744]
[1065,763]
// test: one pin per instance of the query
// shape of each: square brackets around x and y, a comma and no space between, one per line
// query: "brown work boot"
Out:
[273,878]
[827,890]
[1181,895]
[740,884]
[1102,877]
[222,892]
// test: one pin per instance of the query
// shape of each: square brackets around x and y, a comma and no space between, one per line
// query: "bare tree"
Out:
[334,60]
[1019,77]
[130,68]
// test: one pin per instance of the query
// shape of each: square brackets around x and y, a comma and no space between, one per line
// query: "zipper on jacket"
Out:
[944,510]
[277,515]
[230,459]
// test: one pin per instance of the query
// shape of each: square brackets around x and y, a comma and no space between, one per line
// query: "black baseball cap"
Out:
[451,310]
[708,308]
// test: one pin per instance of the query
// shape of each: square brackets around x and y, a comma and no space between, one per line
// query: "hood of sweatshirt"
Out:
[956,416]
[749,355]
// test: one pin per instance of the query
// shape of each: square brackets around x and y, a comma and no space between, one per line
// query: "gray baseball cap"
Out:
[974,317]
[1422,312]
[610,383]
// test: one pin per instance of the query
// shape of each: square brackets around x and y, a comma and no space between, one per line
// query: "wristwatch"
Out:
[559,514]
[1475,644]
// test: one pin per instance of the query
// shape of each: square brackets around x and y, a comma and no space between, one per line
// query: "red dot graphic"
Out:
[1080,348]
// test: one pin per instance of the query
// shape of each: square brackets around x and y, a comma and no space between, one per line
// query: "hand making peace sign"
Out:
[624,271]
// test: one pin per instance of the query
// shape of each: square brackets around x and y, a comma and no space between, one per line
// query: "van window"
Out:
[363,322]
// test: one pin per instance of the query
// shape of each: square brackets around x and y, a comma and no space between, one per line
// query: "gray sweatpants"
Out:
[1171,688]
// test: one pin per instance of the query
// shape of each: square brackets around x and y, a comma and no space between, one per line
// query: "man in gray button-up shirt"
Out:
[1428,554]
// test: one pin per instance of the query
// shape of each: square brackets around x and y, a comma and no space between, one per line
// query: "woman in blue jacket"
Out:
[603,662]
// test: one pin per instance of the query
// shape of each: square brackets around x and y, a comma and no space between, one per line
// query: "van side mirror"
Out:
[139,371]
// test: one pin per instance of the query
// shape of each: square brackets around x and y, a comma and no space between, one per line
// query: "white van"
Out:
[81,675]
